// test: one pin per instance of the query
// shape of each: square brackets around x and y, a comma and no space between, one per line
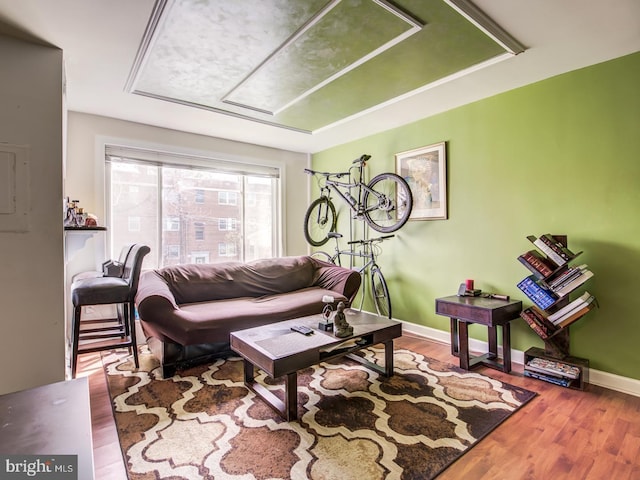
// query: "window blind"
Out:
[159,158]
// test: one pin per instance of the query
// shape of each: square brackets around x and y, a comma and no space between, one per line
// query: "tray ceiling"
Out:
[307,65]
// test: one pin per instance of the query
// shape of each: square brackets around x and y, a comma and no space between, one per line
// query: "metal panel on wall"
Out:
[14,188]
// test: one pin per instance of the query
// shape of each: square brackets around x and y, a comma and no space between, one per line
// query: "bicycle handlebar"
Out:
[377,239]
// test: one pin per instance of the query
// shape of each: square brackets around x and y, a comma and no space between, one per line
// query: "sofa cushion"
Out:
[208,322]
[202,283]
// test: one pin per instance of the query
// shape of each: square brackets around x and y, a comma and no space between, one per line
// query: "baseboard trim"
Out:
[608,380]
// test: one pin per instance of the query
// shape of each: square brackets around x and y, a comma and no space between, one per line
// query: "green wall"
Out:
[560,156]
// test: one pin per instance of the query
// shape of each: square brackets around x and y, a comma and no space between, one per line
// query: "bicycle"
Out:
[385,202]
[369,252]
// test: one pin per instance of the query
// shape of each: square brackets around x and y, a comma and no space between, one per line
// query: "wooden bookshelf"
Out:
[552,278]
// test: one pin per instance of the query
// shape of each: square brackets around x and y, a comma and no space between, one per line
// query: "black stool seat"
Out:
[107,333]
[100,291]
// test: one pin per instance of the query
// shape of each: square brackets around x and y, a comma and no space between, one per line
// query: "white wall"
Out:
[32,346]
[85,171]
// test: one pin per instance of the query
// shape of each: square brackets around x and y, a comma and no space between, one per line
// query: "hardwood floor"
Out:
[561,434]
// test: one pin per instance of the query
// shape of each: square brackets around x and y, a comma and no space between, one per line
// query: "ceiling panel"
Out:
[335,42]
[305,65]
[447,45]
[198,51]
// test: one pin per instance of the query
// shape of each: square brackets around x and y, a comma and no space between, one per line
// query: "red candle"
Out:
[468,284]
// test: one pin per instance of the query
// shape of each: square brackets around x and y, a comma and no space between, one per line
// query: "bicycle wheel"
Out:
[319,220]
[380,292]
[324,256]
[387,202]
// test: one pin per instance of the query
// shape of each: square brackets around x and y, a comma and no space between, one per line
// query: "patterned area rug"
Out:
[354,424]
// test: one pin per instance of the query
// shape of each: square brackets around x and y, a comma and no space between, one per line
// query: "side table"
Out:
[485,311]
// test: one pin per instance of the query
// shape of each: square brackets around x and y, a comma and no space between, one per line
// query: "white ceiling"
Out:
[100,39]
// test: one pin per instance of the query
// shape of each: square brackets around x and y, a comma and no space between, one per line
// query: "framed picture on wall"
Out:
[425,170]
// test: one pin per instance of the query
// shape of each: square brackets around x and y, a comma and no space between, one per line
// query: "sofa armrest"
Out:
[158,310]
[154,298]
[338,279]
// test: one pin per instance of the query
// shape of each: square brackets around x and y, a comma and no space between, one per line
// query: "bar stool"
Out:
[122,259]
[115,332]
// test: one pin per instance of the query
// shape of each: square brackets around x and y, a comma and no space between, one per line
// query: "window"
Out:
[226,224]
[227,249]
[200,257]
[160,199]
[199,230]
[173,224]
[227,198]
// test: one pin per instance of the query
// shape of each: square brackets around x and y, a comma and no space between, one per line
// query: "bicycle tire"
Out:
[324,256]
[316,225]
[390,207]
[380,292]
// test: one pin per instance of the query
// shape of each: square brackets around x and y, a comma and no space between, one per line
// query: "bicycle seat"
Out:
[334,235]
[362,159]
[325,174]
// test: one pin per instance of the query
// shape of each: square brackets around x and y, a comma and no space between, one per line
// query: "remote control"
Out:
[302,329]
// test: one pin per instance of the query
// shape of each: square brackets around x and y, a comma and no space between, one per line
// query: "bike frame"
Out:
[352,255]
[336,185]
[361,269]
[366,270]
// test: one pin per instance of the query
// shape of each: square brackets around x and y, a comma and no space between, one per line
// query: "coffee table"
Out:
[279,352]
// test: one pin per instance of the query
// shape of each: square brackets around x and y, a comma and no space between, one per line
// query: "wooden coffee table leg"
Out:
[287,409]
[291,396]
[388,358]
[386,369]
[248,372]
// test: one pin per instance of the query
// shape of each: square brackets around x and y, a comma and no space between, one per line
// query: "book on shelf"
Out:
[527,317]
[536,263]
[563,382]
[576,314]
[538,322]
[569,308]
[557,246]
[566,276]
[539,295]
[554,256]
[573,284]
[553,367]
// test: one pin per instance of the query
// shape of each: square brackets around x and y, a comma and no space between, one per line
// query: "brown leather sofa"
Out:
[188,311]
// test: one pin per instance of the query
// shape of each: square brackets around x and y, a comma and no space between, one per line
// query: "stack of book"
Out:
[570,279]
[539,322]
[552,371]
[536,263]
[553,249]
[573,310]
[546,325]
[542,297]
